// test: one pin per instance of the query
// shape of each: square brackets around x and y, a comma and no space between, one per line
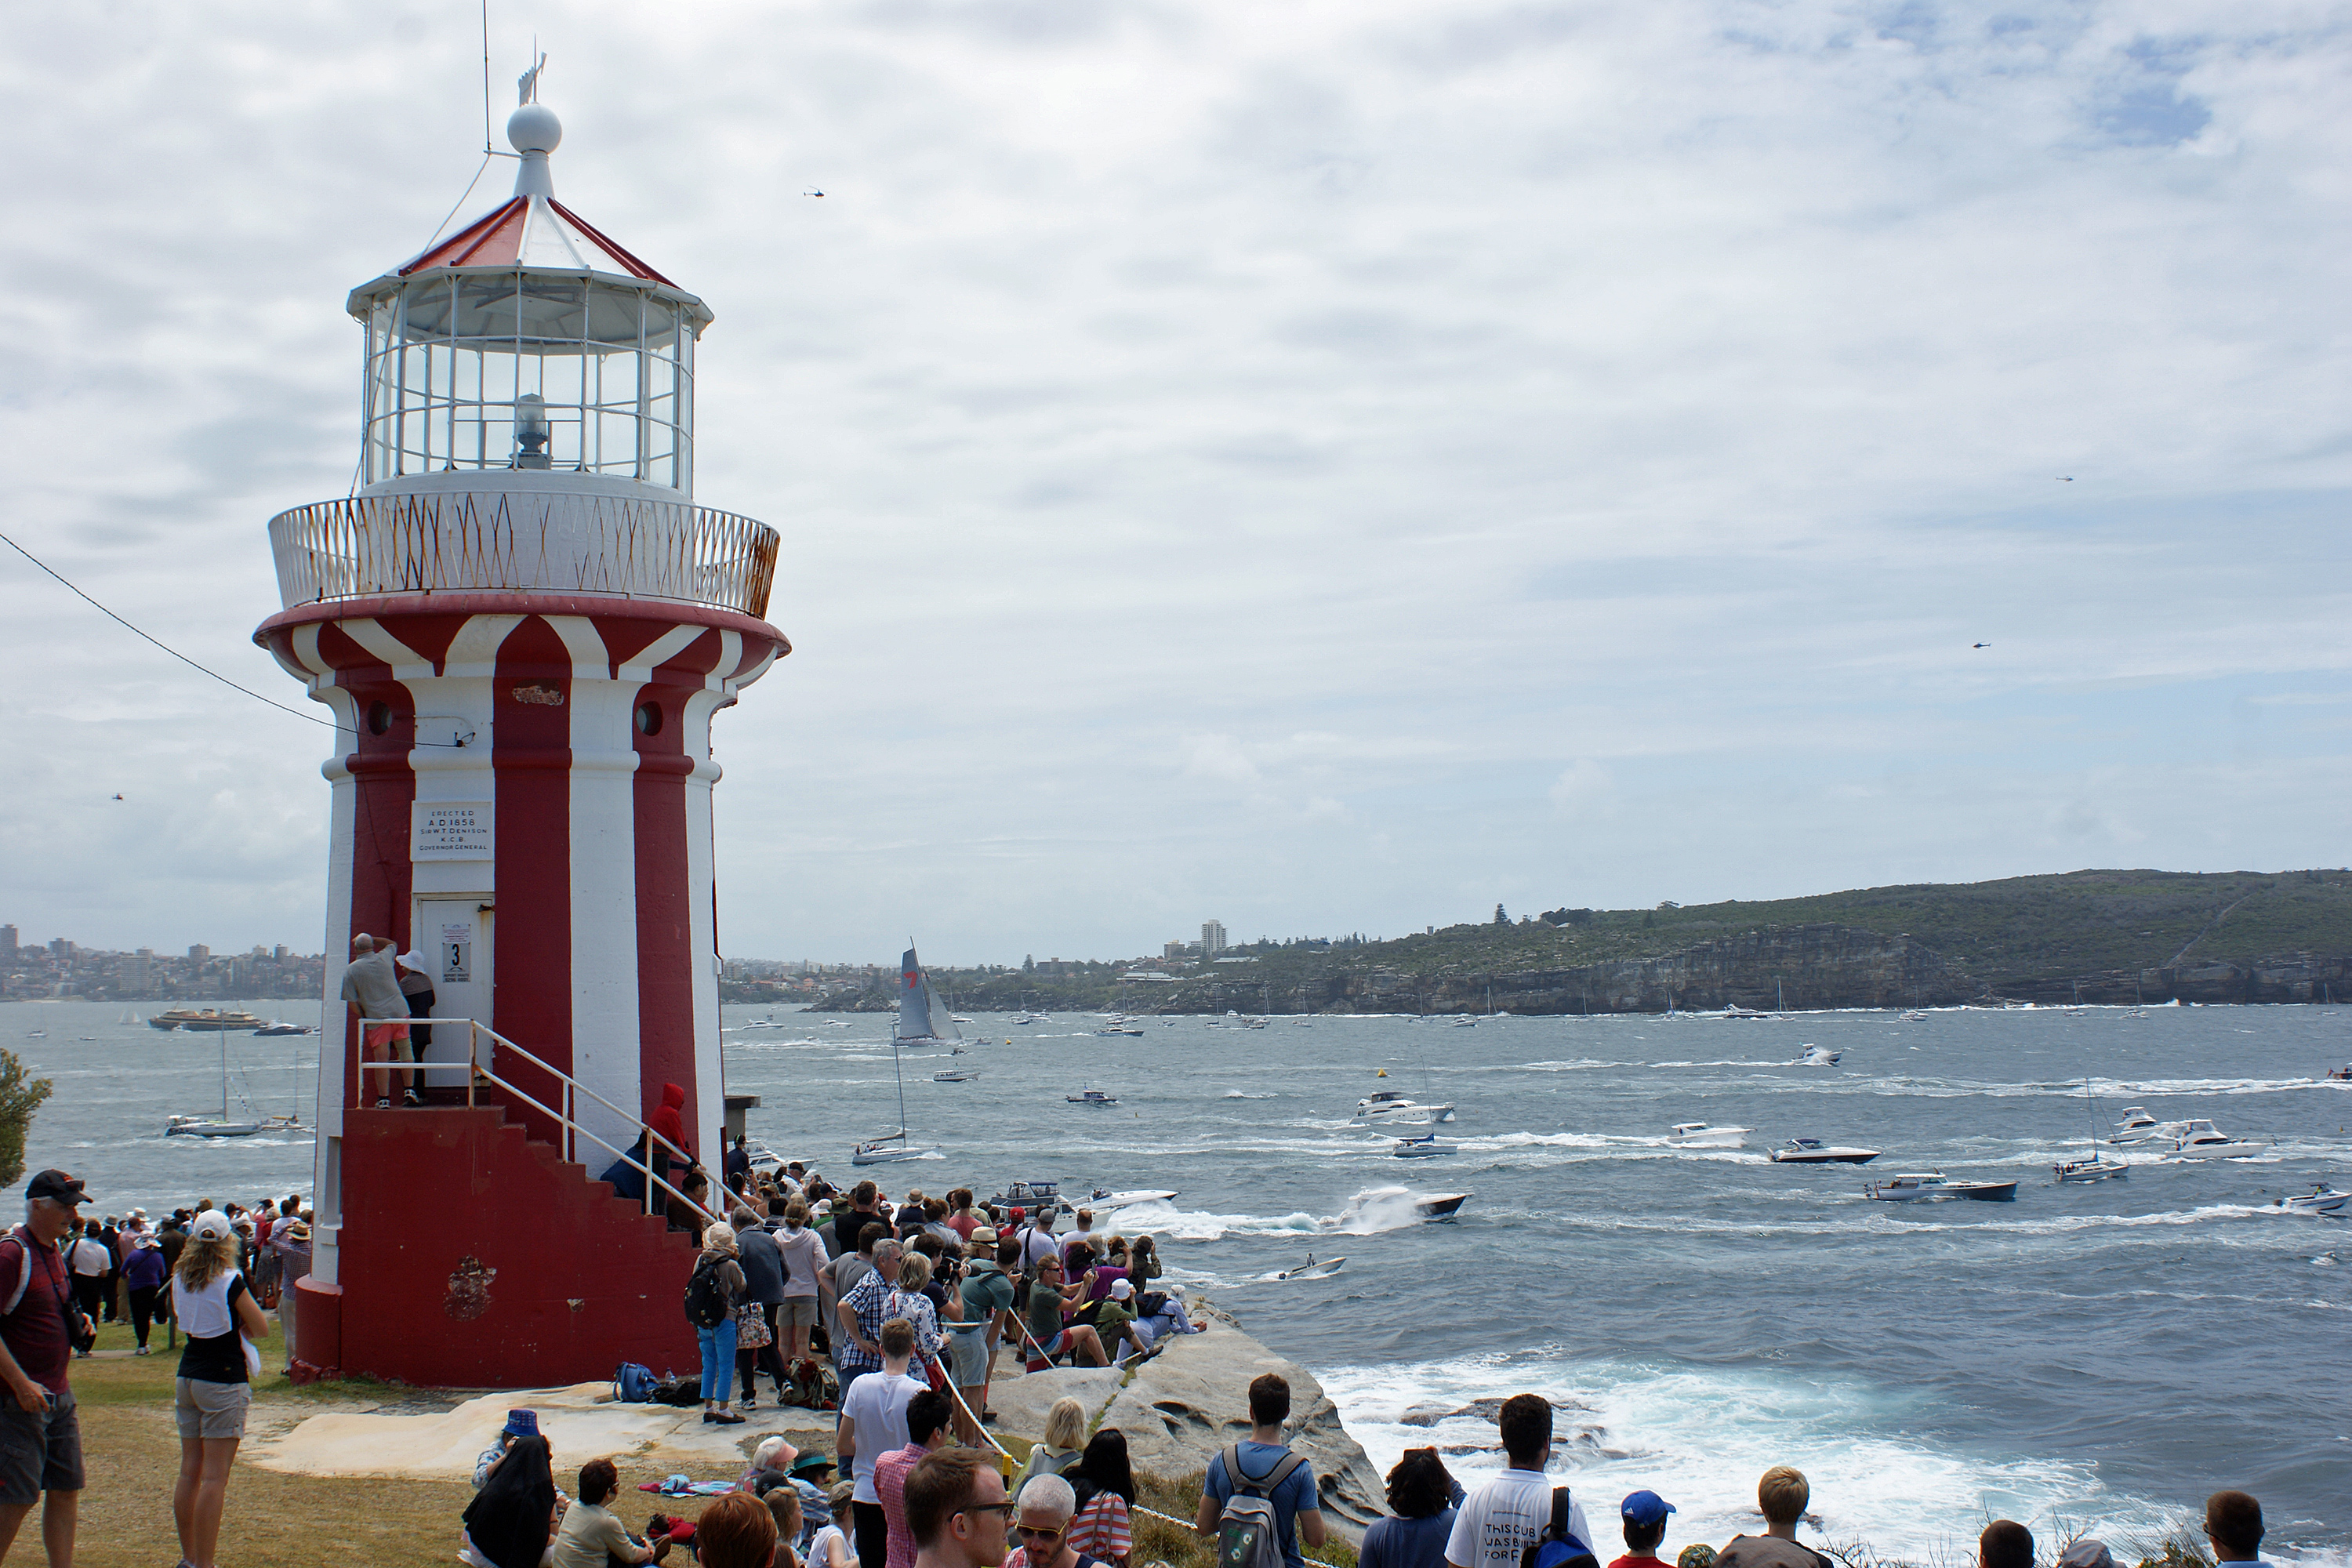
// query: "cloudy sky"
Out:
[1323,467]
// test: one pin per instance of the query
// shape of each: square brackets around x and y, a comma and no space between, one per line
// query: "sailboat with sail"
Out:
[211,1127]
[2100,1165]
[919,1010]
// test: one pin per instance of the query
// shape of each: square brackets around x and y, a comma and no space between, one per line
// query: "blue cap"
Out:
[523,1423]
[1646,1508]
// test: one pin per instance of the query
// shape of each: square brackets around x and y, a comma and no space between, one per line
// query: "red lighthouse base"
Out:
[472,1257]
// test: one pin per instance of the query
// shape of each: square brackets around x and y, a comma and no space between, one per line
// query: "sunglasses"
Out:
[1026,1533]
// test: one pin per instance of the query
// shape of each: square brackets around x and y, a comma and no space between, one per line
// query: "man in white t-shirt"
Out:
[1503,1515]
[1037,1241]
[874,1423]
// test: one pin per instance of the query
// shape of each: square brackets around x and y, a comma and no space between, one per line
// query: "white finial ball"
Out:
[533,128]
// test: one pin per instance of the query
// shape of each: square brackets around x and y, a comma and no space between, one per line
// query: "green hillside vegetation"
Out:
[2019,936]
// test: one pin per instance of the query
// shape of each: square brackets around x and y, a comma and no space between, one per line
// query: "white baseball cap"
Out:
[213,1225]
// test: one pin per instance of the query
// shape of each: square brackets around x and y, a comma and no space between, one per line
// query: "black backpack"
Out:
[706,1303]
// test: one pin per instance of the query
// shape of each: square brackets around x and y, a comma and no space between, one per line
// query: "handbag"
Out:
[751,1328]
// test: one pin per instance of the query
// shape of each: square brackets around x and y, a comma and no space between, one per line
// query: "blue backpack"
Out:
[633,1383]
[1557,1545]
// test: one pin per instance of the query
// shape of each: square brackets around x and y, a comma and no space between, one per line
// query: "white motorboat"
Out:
[277,1029]
[1395,1105]
[1091,1097]
[955,1074]
[1310,1270]
[2322,1199]
[1128,1200]
[1700,1135]
[1934,1187]
[1813,1151]
[2136,1119]
[1439,1206]
[205,1127]
[1120,1028]
[1913,1016]
[1428,1146]
[2203,1141]
[1817,1056]
[2097,1167]
[1466,1022]
[1035,1193]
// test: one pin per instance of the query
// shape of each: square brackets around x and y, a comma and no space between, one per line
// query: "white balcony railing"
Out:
[530,541]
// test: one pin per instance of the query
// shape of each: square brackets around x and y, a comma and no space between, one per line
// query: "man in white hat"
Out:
[416,988]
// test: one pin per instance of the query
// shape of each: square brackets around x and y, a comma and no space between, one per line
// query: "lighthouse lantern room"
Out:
[523,623]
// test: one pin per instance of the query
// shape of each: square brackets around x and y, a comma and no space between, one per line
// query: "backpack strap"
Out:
[1560,1513]
[1264,1485]
[23,1272]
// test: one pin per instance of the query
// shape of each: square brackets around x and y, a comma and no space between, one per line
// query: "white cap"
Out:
[1120,1289]
[212,1226]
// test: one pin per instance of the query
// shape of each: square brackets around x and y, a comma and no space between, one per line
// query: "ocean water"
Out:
[2103,1356]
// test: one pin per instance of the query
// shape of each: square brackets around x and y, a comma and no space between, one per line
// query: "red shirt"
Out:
[1630,1561]
[36,1332]
[890,1472]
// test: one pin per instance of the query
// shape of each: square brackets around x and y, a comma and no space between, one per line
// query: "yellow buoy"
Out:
[1382,1073]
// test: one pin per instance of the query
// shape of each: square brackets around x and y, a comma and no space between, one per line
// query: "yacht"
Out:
[2097,1167]
[208,1127]
[955,1074]
[1393,1105]
[1118,1027]
[1440,1205]
[1035,1193]
[2136,1119]
[1933,1187]
[1813,1151]
[1913,1016]
[1109,1200]
[1429,1145]
[1817,1056]
[2203,1141]
[1091,1097]
[275,1029]
[1699,1135]
[2321,1199]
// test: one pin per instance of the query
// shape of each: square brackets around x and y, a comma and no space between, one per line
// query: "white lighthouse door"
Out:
[454,934]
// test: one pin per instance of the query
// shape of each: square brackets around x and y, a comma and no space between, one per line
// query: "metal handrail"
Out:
[563,1119]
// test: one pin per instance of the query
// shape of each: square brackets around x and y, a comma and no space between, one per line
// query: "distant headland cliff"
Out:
[2089,936]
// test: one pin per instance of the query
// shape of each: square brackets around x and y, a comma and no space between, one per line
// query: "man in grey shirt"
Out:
[371,989]
[763,1289]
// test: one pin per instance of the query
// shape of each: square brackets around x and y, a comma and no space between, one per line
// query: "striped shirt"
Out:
[868,1299]
[1101,1529]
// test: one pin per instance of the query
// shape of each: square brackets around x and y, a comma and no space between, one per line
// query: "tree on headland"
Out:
[19,1098]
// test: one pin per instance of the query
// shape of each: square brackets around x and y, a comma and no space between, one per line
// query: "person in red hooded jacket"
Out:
[668,1122]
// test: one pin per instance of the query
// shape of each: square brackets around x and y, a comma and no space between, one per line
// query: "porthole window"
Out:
[378,718]
[649,717]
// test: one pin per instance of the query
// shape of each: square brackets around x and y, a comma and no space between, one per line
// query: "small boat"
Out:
[207,1127]
[1699,1135]
[1124,1200]
[955,1074]
[1466,1022]
[1813,1151]
[1427,1146]
[886,1150]
[1393,1105]
[1091,1097]
[37,1034]
[1035,1193]
[895,1146]
[1119,1029]
[276,1029]
[2136,1119]
[1026,1019]
[1310,1270]
[2338,1075]
[958,1019]
[2203,1141]
[2098,1168]
[1817,1056]
[758,1023]
[1912,1015]
[1933,1187]
[2321,1199]
[1441,1206]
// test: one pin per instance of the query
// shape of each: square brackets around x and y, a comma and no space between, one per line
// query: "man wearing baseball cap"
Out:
[1644,1514]
[40,1441]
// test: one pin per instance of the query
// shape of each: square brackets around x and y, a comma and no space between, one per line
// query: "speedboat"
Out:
[1026,1019]
[1817,1056]
[1440,1206]
[955,1074]
[1091,1097]
[2321,1199]
[1393,1105]
[1103,1200]
[1118,1028]
[2339,1075]
[1427,1146]
[1466,1022]
[2098,1168]
[275,1028]
[1699,1135]
[1933,1187]
[1035,1193]
[1913,1016]
[208,1127]
[1310,1270]
[2203,1141]
[1813,1151]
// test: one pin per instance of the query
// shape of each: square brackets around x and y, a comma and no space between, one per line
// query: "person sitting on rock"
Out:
[1048,1302]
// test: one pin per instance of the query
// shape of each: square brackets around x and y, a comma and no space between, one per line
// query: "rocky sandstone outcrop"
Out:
[1182,1406]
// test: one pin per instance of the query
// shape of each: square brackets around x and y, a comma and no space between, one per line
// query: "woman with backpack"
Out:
[713,1291]
[1064,1444]
[213,1303]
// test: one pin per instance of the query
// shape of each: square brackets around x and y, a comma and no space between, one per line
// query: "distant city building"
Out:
[1212,938]
[61,948]
[199,953]
[281,952]
[139,971]
[7,941]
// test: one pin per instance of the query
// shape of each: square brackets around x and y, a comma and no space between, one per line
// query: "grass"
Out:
[132,1451]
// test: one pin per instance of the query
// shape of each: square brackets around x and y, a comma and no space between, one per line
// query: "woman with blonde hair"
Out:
[1064,1444]
[905,1300]
[214,1307]
[717,1340]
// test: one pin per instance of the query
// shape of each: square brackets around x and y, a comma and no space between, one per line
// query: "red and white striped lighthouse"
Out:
[523,625]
